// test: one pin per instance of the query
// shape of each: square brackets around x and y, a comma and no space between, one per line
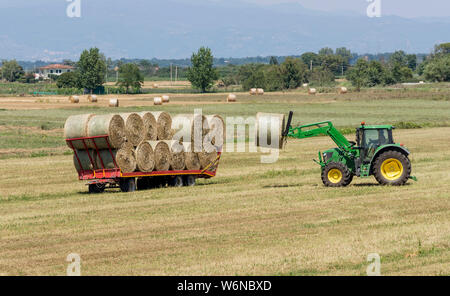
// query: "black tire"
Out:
[96,188]
[345,178]
[143,183]
[381,168]
[189,181]
[176,181]
[127,184]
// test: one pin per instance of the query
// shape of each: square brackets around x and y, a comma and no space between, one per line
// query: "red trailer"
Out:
[100,179]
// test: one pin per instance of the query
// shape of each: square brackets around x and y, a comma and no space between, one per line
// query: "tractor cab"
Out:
[370,138]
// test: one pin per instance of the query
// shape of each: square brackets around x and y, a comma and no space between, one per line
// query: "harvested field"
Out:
[253,218]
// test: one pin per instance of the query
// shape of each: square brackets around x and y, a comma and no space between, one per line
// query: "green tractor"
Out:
[374,153]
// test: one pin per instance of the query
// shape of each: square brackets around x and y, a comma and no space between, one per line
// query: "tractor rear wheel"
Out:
[336,174]
[392,168]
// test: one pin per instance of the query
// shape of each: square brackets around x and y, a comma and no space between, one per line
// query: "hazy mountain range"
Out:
[41,30]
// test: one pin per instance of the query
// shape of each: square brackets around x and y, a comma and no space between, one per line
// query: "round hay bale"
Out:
[86,164]
[162,154]
[125,159]
[231,98]
[134,128]
[157,101]
[265,126]
[188,124]
[206,158]
[145,157]
[191,158]
[253,91]
[150,126]
[164,125]
[216,126]
[76,126]
[177,157]
[111,125]
[92,98]
[343,90]
[155,85]
[312,91]
[260,91]
[305,85]
[165,99]
[74,99]
[114,103]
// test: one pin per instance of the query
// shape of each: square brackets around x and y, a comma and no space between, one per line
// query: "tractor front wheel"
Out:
[392,168]
[336,174]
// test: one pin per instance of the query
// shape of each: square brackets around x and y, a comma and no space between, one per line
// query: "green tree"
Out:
[376,74]
[274,78]
[438,69]
[273,61]
[68,80]
[293,72]
[202,74]
[399,58]
[11,70]
[310,57]
[252,75]
[443,48]
[321,77]
[326,51]
[345,53]
[130,76]
[411,61]
[358,75]
[92,69]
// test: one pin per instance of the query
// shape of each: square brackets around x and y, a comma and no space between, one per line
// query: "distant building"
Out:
[54,69]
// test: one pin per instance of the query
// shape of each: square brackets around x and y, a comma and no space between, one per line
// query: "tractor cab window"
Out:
[374,138]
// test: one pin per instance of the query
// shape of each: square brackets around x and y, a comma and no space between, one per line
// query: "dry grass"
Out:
[253,219]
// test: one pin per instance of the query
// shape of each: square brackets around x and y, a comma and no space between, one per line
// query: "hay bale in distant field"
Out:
[216,132]
[312,91]
[305,85]
[85,161]
[125,159]
[157,101]
[76,126]
[260,91]
[231,98]
[162,154]
[134,128]
[74,99]
[253,91]
[188,125]
[150,126]
[266,124]
[165,99]
[177,157]
[114,103]
[155,85]
[92,98]
[343,90]
[191,158]
[111,125]
[145,157]
[164,125]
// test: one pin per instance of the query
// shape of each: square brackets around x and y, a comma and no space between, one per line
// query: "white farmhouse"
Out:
[54,69]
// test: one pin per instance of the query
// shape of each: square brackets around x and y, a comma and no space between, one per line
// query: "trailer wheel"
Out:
[143,183]
[189,181]
[96,188]
[177,181]
[336,174]
[127,184]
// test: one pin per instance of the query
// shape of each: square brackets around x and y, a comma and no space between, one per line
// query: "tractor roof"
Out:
[377,127]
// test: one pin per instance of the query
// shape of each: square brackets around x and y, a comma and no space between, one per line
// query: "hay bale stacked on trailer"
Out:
[143,145]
